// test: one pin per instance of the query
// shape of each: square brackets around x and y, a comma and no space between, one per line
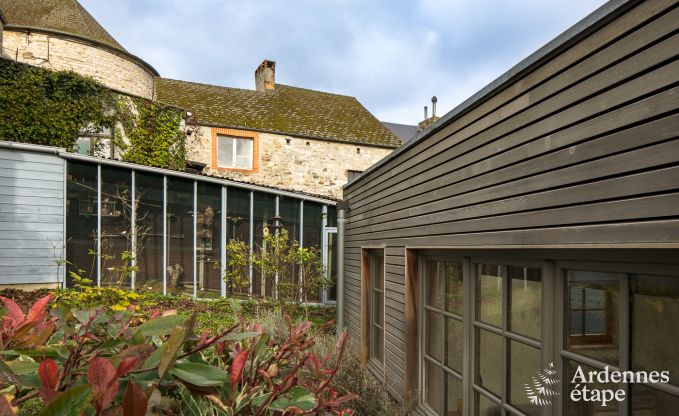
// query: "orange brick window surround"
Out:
[235,133]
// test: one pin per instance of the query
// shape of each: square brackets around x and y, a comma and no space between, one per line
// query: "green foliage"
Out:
[97,361]
[154,132]
[118,299]
[54,108]
[295,274]
[50,108]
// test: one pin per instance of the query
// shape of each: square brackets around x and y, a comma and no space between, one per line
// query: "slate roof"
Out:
[288,110]
[405,132]
[66,16]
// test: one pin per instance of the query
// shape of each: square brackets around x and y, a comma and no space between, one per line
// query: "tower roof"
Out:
[65,16]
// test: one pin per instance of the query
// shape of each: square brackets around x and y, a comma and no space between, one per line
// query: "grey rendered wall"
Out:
[31,217]
[578,148]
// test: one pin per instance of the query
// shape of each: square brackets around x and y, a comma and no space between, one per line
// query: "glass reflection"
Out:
[587,408]
[489,294]
[655,326]
[524,365]
[81,221]
[209,240]
[489,364]
[149,196]
[238,227]
[116,231]
[486,407]
[264,209]
[592,324]
[525,301]
[180,236]
[434,386]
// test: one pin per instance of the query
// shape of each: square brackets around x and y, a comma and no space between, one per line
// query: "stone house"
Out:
[275,135]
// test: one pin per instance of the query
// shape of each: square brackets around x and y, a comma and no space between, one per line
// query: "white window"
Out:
[234,152]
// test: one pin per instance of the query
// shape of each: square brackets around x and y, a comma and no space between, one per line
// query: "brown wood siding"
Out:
[581,150]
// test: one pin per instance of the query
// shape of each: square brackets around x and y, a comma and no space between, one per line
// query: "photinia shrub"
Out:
[105,362]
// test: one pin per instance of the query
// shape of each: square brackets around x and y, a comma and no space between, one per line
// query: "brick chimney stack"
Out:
[265,76]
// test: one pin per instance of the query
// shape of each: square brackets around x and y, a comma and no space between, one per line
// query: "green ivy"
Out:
[50,108]
[54,108]
[154,133]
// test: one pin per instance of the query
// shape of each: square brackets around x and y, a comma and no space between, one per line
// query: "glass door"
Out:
[330,263]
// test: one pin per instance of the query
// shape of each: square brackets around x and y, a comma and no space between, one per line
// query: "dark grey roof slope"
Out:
[289,110]
[405,132]
[66,16]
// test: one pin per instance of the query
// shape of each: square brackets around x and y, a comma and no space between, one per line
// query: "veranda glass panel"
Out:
[332,216]
[593,314]
[486,407]
[116,231]
[238,228]
[288,210]
[149,196]
[81,221]
[180,236]
[525,301]
[582,407]
[264,211]
[489,365]
[524,365]
[454,396]
[655,325]
[434,386]
[313,216]
[209,240]
[489,294]
[648,401]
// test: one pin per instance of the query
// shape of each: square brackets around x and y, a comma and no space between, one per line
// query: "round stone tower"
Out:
[62,35]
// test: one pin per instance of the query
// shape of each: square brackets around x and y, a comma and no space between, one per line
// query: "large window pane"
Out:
[180,236]
[435,285]
[593,314]
[649,401]
[524,365]
[434,338]
[332,216]
[377,305]
[225,151]
[454,395]
[238,226]
[587,408]
[486,407]
[313,217]
[489,294]
[433,392]
[209,240]
[116,231]
[454,289]
[454,344]
[525,301]
[655,333]
[489,356]
[149,196]
[81,221]
[264,211]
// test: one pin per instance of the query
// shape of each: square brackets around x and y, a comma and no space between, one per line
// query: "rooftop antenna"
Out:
[433,106]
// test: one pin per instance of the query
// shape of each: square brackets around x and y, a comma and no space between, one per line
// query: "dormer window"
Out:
[234,152]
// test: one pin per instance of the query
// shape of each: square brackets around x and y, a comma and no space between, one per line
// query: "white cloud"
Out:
[392,56]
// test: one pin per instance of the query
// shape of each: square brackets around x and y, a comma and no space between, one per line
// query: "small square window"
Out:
[234,152]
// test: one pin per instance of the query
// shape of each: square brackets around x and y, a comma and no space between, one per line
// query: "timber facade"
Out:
[533,229]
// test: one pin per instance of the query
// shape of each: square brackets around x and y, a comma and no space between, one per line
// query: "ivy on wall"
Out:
[54,108]
[154,134]
[49,108]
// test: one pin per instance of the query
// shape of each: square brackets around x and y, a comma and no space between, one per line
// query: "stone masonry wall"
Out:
[60,53]
[315,166]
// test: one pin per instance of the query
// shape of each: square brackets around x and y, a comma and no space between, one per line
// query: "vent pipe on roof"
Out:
[433,106]
[426,113]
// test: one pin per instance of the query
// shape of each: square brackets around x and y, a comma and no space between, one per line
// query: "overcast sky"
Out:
[391,55]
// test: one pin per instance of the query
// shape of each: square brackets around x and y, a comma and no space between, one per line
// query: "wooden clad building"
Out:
[530,232]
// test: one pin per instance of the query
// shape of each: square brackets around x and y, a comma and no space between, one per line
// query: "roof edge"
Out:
[282,133]
[96,43]
[590,23]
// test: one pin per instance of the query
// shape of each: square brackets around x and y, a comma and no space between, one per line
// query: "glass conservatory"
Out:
[166,231]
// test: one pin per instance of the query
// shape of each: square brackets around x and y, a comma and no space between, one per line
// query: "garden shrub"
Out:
[100,362]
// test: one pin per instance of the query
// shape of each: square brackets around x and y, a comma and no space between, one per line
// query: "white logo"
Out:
[541,390]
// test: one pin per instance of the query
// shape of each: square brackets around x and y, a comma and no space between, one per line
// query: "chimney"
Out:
[265,76]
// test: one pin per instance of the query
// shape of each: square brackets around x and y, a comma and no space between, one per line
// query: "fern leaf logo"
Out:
[541,389]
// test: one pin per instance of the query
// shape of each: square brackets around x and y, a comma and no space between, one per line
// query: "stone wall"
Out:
[61,53]
[315,166]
